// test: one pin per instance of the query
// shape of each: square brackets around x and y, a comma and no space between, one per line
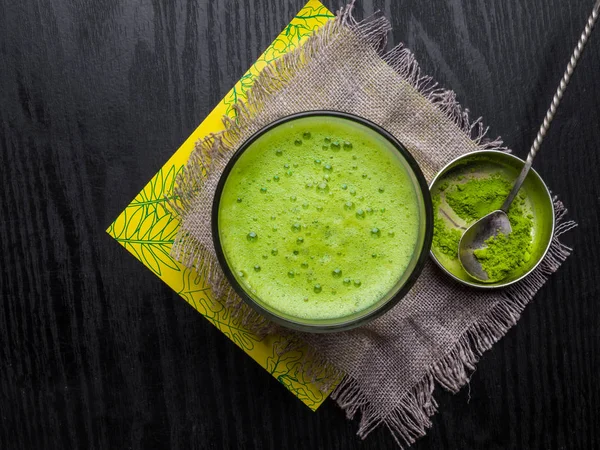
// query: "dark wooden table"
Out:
[95,95]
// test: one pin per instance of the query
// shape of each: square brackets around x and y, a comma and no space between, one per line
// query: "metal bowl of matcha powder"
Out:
[474,185]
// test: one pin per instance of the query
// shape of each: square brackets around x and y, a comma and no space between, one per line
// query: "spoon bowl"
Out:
[476,237]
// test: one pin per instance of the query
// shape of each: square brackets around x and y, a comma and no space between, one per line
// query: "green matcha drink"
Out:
[319,218]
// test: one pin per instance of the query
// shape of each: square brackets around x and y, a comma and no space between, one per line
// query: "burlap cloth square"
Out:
[439,330]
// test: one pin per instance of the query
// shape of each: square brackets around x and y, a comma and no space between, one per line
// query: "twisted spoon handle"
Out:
[589,26]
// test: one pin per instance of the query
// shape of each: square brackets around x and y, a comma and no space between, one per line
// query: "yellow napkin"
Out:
[146,227]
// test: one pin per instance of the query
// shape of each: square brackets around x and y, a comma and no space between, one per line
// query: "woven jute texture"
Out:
[436,334]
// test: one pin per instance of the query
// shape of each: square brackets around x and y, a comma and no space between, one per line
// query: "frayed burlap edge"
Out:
[412,418]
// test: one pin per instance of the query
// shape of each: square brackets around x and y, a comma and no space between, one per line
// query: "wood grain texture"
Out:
[96,95]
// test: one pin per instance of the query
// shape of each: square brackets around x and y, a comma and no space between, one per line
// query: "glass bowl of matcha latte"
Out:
[322,221]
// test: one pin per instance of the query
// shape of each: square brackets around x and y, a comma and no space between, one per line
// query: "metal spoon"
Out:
[496,222]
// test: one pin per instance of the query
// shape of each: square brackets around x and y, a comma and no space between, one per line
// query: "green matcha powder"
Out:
[472,198]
